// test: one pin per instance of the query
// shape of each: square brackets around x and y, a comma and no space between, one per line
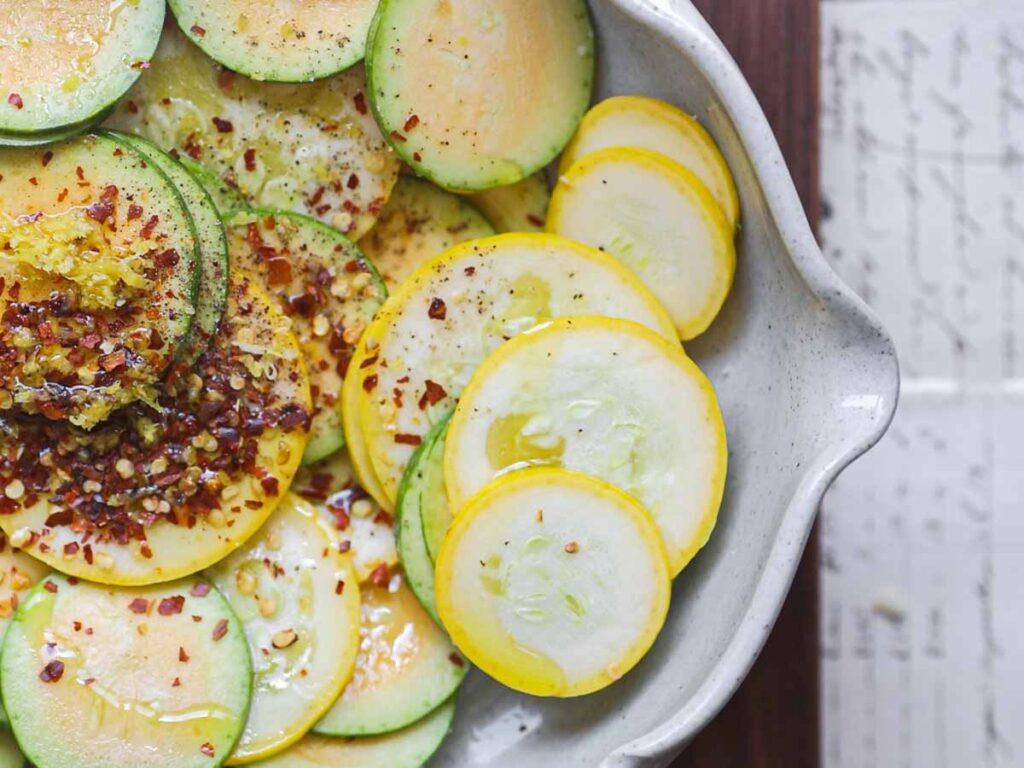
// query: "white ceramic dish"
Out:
[808,381]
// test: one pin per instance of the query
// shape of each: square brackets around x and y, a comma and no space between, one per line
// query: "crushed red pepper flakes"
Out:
[197,30]
[353,182]
[380,575]
[411,123]
[223,126]
[438,309]
[250,159]
[221,629]
[183,657]
[339,588]
[52,672]
[360,101]
[455,659]
[370,383]
[139,605]
[49,586]
[47,157]
[572,547]
[537,221]
[433,394]
[200,589]
[404,439]
[417,157]
[171,605]
[176,683]
[395,135]
[207,749]
[15,101]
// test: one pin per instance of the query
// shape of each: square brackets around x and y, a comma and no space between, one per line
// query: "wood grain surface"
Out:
[774,721]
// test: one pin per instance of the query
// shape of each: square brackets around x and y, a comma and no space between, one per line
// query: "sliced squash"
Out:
[152,495]
[476,94]
[311,148]
[406,668]
[659,219]
[154,677]
[10,755]
[298,600]
[357,521]
[553,583]
[519,207]
[654,125]
[419,222]
[226,197]
[63,64]
[605,397]
[290,41]
[424,345]
[411,747]
[18,573]
[328,290]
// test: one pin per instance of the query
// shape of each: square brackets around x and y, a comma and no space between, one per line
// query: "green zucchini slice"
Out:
[519,207]
[359,524]
[411,747]
[328,290]
[18,573]
[484,92]
[406,667]
[313,148]
[605,397]
[152,495]
[290,41]
[96,676]
[10,755]
[212,296]
[226,197]
[419,222]
[63,64]
[98,270]
[298,600]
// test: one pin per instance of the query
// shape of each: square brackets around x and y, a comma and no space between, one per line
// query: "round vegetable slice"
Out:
[519,207]
[420,351]
[10,755]
[359,524]
[645,123]
[212,295]
[18,573]
[328,290]
[226,197]
[96,676]
[553,583]
[289,41]
[658,218]
[410,747]
[483,93]
[426,475]
[590,394]
[406,668]
[421,488]
[98,276]
[63,63]
[311,148]
[151,495]
[419,222]
[298,600]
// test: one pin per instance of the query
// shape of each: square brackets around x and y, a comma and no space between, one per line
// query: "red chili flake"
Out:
[134,212]
[221,629]
[80,173]
[455,659]
[139,605]
[71,548]
[201,589]
[113,361]
[411,123]
[438,309]
[279,271]
[223,126]
[344,546]
[470,271]
[77,625]
[182,656]
[171,605]
[63,195]
[396,396]
[271,486]
[33,181]
[15,101]
[368,362]
[100,211]
[207,749]
[250,159]
[396,136]
[370,383]
[72,580]
[47,157]
[176,682]
[197,30]
[132,107]
[90,341]
[353,182]
[403,439]
[141,64]
[433,394]
[360,100]
[537,221]
[380,575]
[147,229]
[339,588]
[49,586]
[52,672]
[383,518]
[87,553]
[417,157]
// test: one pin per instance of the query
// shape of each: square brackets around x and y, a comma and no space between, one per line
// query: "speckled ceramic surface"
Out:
[808,381]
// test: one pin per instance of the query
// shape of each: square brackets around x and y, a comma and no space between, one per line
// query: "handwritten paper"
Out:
[923,540]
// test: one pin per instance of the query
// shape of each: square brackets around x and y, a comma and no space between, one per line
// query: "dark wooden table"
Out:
[773,721]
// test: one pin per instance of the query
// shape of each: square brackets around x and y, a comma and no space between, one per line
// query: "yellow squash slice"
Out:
[553,583]
[519,207]
[605,397]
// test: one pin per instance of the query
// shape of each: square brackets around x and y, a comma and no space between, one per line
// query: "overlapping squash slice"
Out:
[659,219]
[553,583]
[418,354]
[18,573]
[312,148]
[519,207]
[419,222]
[406,667]
[328,290]
[605,397]
[151,495]
[411,747]
[297,597]
[645,123]
[153,677]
